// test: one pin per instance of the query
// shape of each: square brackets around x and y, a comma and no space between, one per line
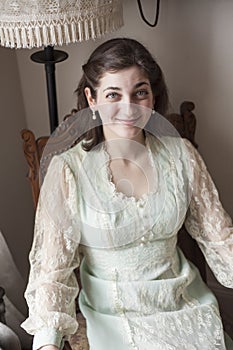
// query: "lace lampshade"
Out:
[47,23]
[35,23]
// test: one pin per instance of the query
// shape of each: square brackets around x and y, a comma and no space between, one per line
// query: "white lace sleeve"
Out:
[52,286]
[208,222]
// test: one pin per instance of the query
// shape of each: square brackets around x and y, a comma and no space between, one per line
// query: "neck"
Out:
[125,148]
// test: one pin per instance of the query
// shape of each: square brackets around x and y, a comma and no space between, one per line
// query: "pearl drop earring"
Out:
[153,111]
[93,114]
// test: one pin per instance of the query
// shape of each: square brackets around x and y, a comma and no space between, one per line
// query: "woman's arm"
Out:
[52,286]
[208,222]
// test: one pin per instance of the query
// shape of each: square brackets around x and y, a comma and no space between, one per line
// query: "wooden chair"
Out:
[185,123]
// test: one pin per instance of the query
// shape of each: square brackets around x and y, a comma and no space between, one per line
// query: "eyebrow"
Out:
[111,88]
[136,86]
[141,83]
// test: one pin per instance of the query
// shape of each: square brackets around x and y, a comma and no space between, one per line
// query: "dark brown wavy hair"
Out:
[114,55]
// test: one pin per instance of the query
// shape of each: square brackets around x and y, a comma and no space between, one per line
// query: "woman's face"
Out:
[124,101]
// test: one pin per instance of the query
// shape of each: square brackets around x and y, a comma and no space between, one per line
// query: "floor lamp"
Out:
[50,23]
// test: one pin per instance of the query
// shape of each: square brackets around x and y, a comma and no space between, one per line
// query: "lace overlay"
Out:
[52,286]
[209,224]
[140,290]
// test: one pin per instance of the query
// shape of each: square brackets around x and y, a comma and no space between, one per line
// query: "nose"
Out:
[128,109]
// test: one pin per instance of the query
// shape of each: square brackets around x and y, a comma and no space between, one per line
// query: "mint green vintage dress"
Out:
[138,289]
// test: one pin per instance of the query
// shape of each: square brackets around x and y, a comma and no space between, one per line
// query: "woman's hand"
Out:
[49,347]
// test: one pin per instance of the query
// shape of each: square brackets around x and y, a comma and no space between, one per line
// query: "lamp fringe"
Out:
[59,31]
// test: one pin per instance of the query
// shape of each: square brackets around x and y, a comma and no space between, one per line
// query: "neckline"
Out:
[120,195]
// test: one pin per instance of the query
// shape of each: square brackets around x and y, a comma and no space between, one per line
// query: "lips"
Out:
[127,121]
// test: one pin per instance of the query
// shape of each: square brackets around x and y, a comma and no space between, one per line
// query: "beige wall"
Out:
[193,45]
[16,215]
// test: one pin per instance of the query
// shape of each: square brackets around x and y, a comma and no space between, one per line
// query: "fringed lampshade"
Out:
[36,23]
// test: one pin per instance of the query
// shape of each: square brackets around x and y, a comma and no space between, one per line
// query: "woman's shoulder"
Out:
[73,154]
[59,161]
[76,158]
[171,144]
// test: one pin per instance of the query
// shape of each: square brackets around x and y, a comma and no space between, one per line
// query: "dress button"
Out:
[143,241]
[151,235]
[140,204]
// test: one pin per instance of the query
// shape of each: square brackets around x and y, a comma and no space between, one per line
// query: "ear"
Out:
[90,99]
[154,101]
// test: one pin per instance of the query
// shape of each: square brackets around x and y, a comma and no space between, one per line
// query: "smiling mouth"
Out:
[128,121]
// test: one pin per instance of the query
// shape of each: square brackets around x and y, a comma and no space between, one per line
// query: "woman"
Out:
[120,196]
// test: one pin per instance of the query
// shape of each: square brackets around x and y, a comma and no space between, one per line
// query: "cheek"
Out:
[149,103]
[108,111]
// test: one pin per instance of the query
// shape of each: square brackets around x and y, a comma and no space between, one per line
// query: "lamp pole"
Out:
[49,57]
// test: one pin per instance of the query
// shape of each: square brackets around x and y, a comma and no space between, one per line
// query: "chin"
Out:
[128,132]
